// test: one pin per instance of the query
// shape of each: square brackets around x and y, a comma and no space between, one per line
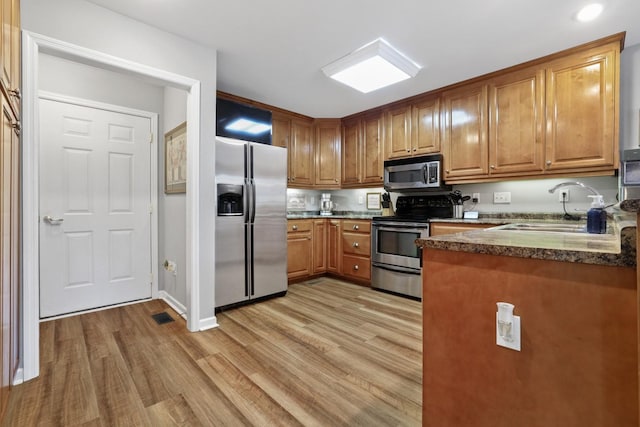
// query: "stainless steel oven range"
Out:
[396,261]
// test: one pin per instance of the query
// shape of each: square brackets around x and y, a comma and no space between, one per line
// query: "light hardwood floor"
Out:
[327,354]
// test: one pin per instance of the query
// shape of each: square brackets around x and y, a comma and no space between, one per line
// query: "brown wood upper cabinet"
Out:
[465,142]
[301,155]
[516,123]
[413,130]
[581,101]
[327,152]
[362,151]
[553,118]
[280,130]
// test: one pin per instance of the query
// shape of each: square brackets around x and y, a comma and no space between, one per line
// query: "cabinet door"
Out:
[334,247]
[581,110]
[398,126]
[465,132]
[301,156]
[425,127]
[350,153]
[299,255]
[516,123]
[327,149]
[319,246]
[372,150]
[280,131]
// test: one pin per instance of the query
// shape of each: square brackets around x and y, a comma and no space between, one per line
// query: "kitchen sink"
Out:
[545,227]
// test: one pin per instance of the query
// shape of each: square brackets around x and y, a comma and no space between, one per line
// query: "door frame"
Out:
[153,159]
[32,45]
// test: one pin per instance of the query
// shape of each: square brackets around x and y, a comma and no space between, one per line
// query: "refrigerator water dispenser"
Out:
[230,200]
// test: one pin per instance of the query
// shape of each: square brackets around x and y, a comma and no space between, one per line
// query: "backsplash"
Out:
[343,200]
[529,196]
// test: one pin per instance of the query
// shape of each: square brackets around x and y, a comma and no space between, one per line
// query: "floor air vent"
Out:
[162,318]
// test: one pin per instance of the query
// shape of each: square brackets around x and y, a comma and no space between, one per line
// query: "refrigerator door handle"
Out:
[253,194]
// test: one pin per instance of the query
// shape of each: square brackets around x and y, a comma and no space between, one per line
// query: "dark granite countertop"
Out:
[630,205]
[617,247]
[336,214]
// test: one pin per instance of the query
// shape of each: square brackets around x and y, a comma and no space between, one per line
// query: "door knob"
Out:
[53,221]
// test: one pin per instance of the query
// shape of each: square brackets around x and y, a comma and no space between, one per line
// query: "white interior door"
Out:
[95,198]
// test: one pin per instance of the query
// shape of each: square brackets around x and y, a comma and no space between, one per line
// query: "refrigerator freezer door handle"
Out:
[253,201]
[247,270]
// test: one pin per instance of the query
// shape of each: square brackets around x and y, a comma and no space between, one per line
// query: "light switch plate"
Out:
[502,197]
[514,343]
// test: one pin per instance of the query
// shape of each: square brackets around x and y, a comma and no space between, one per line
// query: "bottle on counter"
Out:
[597,216]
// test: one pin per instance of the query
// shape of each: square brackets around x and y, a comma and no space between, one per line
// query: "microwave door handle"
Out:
[425,173]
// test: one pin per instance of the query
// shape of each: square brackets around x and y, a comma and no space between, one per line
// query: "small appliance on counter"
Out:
[326,205]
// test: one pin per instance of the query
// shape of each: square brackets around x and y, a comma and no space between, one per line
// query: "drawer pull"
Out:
[355,244]
[295,228]
[356,268]
[356,227]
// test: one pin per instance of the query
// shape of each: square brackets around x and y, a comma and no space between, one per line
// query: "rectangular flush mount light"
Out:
[372,67]
[248,126]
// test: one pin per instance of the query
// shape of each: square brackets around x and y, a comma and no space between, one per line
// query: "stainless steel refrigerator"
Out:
[251,221]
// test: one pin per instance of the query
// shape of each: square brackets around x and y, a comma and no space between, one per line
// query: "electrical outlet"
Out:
[361,200]
[563,195]
[475,197]
[503,197]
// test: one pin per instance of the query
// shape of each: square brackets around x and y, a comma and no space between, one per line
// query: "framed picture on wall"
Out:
[175,160]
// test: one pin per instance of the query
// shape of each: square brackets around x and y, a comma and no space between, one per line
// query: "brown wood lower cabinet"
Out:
[339,247]
[578,362]
[299,248]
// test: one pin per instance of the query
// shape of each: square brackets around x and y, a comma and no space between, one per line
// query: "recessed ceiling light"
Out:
[373,66]
[589,12]
[248,126]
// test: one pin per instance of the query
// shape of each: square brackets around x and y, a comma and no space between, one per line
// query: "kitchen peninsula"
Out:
[577,302]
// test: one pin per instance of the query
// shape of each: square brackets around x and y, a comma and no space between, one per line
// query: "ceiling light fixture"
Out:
[248,126]
[373,66]
[589,12]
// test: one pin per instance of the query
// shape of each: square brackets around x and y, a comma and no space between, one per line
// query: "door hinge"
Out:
[151,138]
[151,278]
[150,208]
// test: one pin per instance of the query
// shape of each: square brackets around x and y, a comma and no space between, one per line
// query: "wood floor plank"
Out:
[329,353]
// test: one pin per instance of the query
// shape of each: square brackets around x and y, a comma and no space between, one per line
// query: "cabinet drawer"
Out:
[356,266]
[356,244]
[356,226]
[299,225]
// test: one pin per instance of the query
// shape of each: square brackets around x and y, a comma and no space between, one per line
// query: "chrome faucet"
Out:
[574,184]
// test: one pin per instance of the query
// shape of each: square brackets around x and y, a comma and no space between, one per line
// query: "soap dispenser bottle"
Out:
[597,216]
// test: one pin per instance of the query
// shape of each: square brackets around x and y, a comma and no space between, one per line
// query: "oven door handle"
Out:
[397,268]
[402,229]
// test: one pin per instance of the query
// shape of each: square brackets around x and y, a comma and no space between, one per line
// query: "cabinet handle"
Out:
[16,126]
[295,228]
[415,149]
[15,93]
[446,170]
[548,162]
[308,238]
[408,150]
[356,227]
[356,268]
[493,166]
[355,245]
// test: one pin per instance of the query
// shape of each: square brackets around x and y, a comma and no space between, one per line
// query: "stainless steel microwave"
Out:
[422,173]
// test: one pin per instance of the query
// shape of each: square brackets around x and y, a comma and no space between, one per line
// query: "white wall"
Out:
[172,219]
[87,25]
[630,97]
[82,81]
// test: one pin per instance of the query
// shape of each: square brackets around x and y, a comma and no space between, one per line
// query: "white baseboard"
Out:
[173,303]
[19,377]
[208,323]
